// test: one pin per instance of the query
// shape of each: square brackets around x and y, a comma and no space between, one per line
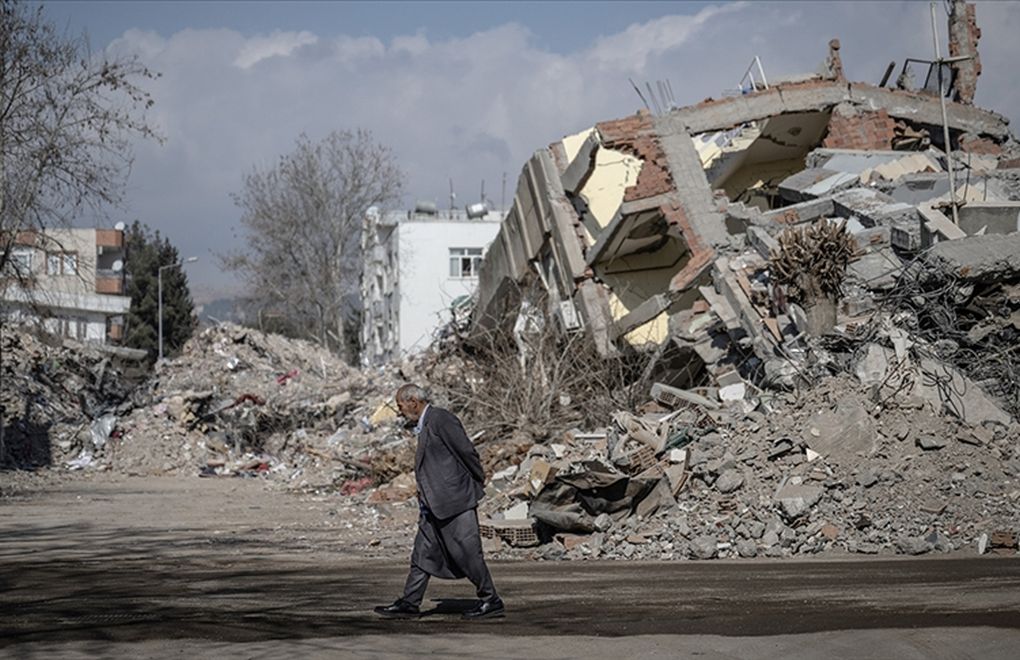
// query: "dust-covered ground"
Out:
[155,567]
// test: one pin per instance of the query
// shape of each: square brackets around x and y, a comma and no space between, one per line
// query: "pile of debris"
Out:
[58,398]
[240,402]
[826,470]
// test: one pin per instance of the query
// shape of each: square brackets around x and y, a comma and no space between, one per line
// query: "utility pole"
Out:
[939,63]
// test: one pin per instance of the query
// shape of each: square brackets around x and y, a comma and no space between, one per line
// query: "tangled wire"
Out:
[970,325]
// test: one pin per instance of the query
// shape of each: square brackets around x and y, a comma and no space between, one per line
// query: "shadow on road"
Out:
[122,585]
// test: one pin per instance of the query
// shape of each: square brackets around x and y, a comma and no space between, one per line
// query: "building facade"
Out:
[417,264]
[70,279]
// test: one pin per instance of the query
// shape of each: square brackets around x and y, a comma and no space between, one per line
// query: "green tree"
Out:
[147,251]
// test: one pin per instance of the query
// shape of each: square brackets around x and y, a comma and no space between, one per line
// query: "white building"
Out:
[72,278]
[416,264]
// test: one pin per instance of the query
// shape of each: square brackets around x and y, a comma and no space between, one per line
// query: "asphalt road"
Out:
[76,585]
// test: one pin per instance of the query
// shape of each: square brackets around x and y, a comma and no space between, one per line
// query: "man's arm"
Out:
[458,442]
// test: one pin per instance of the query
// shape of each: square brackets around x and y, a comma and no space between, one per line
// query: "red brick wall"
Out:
[701,254]
[862,130]
[964,35]
[979,145]
[633,135]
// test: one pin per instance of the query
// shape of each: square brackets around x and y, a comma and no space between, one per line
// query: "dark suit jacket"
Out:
[449,473]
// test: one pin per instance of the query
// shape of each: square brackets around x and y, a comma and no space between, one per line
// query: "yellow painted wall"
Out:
[614,172]
[572,143]
[654,332]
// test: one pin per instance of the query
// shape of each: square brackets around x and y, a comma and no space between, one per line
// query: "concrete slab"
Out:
[877,270]
[990,217]
[980,257]
[815,182]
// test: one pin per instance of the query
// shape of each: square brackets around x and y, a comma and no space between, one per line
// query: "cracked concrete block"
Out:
[871,369]
[795,500]
[815,182]
[704,547]
[877,270]
[729,481]
[979,257]
[990,218]
[843,433]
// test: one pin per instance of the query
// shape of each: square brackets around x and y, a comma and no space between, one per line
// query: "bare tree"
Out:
[532,378]
[66,118]
[302,261]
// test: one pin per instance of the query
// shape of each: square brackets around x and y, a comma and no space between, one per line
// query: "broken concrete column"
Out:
[963,42]
[834,63]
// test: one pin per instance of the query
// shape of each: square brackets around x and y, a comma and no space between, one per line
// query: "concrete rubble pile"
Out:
[240,402]
[826,471]
[59,398]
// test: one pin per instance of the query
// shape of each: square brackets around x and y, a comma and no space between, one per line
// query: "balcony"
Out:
[110,283]
[110,238]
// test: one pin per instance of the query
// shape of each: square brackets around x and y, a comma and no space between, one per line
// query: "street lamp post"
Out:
[159,280]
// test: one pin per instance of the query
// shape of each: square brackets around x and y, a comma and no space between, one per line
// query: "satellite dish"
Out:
[118,266]
[119,226]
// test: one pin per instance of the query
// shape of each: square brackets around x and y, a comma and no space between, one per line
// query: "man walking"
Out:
[450,477]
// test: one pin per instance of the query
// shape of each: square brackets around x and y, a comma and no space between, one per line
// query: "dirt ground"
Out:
[104,566]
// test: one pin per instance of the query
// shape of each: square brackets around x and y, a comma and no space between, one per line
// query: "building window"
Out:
[73,327]
[21,262]
[61,263]
[465,262]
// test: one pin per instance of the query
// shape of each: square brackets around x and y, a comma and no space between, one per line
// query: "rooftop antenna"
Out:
[483,191]
[655,102]
[453,195]
[642,96]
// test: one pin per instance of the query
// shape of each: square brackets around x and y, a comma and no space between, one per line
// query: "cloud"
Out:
[277,44]
[631,49]
[474,107]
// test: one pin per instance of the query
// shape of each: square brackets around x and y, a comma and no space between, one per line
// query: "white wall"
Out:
[425,286]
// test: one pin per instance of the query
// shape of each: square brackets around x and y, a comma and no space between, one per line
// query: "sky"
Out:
[458,90]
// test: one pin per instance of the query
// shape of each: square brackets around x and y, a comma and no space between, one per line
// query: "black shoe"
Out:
[486,609]
[400,609]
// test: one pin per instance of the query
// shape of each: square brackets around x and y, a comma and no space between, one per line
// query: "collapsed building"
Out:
[671,236]
[653,232]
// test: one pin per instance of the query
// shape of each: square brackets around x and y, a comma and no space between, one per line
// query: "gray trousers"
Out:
[448,549]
